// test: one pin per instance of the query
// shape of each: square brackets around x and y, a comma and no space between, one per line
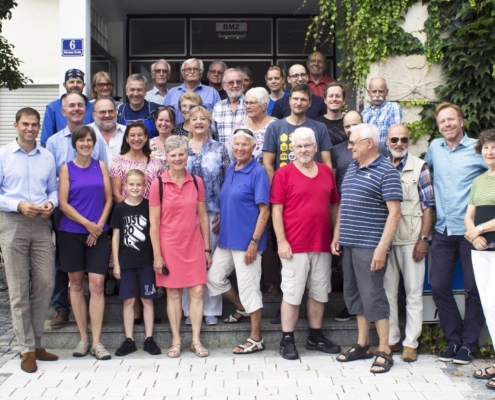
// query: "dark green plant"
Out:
[486,351]
[432,340]
[10,76]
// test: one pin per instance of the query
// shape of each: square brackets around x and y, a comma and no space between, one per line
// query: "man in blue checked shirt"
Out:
[381,113]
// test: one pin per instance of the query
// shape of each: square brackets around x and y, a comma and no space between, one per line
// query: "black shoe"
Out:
[126,347]
[463,356]
[288,348]
[151,347]
[276,319]
[449,354]
[345,316]
[323,344]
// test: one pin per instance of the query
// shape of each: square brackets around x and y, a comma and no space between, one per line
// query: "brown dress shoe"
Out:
[43,355]
[393,347]
[59,320]
[28,362]
[409,354]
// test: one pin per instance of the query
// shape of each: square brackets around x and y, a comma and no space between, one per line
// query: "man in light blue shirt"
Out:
[455,165]
[28,195]
[60,145]
[192,71]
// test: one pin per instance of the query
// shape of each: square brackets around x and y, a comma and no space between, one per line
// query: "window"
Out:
[157,37]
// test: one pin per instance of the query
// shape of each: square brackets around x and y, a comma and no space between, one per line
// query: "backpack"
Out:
[160,187]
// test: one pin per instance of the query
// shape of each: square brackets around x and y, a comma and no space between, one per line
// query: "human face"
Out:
[74,109]
[215,74]
[352,118]
[377,91]
[316,64]
[399,148]
[85,145]
[488,153]
[185,106]
[358,146]
[160,74]
[450,125]
[135,91]
[274,81]
[253,108]
[243,149]
[164,123]
[103,89]
[177,159]
[199,124]
[27,128]
[247,82]
[192,72]
[335,98]
[134,186]
[74,85]
[304,150]
[136,138]
[299,103]
[233,84]
[297,75]
[104,115]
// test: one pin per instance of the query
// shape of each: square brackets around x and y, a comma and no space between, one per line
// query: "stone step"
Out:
[216,336]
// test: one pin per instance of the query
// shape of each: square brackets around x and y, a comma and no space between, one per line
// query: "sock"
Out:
[315,333]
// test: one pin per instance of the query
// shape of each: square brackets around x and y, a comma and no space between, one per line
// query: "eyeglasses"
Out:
[189,70]
[160,71]
[232,83]
[103,84]
[299,147]
[296,76]
[188,106]
[402,139]
[351,143]
[250,103]
[216,71]
[244,130]
[102,113]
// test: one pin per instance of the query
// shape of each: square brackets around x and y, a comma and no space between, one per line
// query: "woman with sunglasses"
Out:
[165,121]
[102,88]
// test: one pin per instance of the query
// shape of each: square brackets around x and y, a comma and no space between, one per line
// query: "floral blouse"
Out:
[151,168]
[210,164]
[158,152]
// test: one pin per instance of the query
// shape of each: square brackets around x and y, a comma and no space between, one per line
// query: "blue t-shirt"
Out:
[147,114]
[271,103]
[363,207]
[241,193]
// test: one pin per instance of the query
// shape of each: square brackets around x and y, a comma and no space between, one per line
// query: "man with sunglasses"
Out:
[410,245]
[160,71]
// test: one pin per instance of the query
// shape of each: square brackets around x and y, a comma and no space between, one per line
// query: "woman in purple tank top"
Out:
[85,197]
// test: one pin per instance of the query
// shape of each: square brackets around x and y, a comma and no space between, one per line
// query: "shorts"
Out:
[363,288]
[76,256]
[144,277]
[311,270]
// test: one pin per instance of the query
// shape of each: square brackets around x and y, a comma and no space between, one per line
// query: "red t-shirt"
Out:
[306,201]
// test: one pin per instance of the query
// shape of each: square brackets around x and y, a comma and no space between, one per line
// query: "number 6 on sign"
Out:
[72,44]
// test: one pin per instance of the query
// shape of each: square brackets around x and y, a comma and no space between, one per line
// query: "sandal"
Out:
[200,350]
[483,373]
[386,365]
[356,352]
[175,350]
[491,384]
[231,319]
[255,347]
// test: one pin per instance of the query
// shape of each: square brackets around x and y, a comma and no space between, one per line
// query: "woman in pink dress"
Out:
[180,236]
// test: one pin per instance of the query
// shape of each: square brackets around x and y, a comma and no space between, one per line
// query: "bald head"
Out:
[352,118]
[316,64]
[398,140]
[377,90]
[297,75]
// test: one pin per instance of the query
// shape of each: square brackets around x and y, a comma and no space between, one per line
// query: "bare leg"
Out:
[196,311]
[129,317]
[174,312]
[289,314]
[315,313]
[78,302]
[233,296]
[148,316]
[96,305]
[363,333]
[382,328]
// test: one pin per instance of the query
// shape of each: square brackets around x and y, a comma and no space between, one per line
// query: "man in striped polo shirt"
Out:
[368,218]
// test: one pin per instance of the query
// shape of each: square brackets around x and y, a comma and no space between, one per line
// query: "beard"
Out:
[106,125]
[234,95]
[398,154]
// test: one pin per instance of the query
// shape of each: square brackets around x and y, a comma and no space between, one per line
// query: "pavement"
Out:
[224,376]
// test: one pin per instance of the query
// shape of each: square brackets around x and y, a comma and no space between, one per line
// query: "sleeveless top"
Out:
[86,195]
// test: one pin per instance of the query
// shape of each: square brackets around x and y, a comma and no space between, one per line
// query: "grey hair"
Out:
[191,60]
[368,131]
[260,94]
[239,132]
[228,71]
[136,78]
[304,133]
[161,60]
[219,62]
[175,142]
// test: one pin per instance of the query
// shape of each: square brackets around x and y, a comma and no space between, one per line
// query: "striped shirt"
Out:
[363,208]
[383,116]
[483,191]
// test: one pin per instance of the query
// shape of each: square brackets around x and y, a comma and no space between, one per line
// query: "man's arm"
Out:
[284,249]
[335,247]
[269,164]
[48,128]
[380,254]
[421,247]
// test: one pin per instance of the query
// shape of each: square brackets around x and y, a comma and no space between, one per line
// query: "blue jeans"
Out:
[61,289]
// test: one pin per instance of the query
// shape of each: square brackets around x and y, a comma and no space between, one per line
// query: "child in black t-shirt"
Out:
[133,261]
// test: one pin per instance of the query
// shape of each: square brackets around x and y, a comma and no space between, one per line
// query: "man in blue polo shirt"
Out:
[455,165]
[369,215]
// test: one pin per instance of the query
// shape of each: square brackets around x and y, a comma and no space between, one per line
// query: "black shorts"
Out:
[144,277]
[76,256]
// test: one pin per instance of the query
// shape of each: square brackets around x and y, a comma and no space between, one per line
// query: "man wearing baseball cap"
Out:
[54,120]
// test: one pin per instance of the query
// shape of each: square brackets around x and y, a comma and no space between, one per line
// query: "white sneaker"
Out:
[100,353]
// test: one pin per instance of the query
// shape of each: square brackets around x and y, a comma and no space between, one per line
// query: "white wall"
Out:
[34,31]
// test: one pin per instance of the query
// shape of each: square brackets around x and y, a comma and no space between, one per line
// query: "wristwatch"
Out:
[208,251]
[424,238]
[480,228]
[255,240]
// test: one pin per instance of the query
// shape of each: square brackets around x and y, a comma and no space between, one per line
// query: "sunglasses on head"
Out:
[246,131]
[402,139]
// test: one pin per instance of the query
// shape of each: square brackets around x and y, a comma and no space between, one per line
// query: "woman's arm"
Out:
[205,229]
[108,196]
[117,190]
[252,250]
[115,252]
[158,262]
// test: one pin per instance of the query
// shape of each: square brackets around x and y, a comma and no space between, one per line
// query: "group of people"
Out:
[181,188]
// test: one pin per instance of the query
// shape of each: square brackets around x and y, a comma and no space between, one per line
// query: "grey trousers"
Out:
[27,244]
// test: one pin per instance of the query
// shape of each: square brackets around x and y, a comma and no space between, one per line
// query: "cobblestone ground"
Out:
[7,337]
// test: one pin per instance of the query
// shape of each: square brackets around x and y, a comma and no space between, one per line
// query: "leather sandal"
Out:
[174,351]
[385,365]
[483,373]
[254,347]
[356,352]
[200,350]
[231,319]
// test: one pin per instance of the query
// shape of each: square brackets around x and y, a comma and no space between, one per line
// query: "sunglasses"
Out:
[402,139]
[243,130]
